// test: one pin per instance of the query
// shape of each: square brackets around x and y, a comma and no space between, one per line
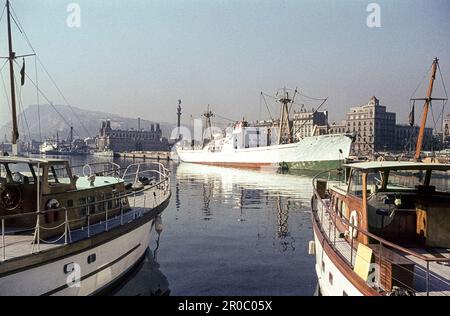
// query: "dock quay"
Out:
[144,155]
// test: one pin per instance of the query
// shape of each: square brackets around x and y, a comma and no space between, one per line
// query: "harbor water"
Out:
[227,232]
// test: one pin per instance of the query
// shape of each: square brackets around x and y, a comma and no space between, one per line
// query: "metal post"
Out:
[134,206]
[334,229]
[38,221]
[3,239]
[121,214]
[106,221]
[89,222]
[351,251]
[428,278]
[65,227]
[38,233]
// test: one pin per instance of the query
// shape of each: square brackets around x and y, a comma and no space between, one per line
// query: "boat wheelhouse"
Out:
[384,231]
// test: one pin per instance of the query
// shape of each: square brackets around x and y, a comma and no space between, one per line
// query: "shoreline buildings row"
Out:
[375,127]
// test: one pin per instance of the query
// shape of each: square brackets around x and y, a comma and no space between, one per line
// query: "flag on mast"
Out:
[22,73]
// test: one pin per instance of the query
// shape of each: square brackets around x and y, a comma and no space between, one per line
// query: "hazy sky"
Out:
[137,58]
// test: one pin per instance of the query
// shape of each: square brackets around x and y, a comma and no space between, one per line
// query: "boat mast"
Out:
[208,114]
[284,136]
[426,108]
[12,56]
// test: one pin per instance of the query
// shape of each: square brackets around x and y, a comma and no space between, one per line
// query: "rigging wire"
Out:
[22,31]
[38,99]
[50,102]
[6,92]
[267,106]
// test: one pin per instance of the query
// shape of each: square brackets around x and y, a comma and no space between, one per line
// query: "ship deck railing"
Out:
[17,242]
[430,274]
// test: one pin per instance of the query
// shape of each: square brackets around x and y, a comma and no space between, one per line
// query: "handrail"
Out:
[66,235]
[377,238]
[127,194]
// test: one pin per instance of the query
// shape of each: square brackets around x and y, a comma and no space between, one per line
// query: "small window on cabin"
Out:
[439,179]
[356,184]
[91,204]
[69,203]
[19,173]
[83,208]
[330,278]
[109,202]
[405,179]
[101,203]
[60,173]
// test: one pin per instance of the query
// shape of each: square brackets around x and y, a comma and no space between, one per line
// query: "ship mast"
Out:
[426,108]
[285,136]
[11,58]
[208,114]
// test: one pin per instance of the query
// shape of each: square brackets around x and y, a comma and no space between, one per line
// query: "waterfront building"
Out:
[336,128]
[375,127]
[119,140]
[446,129]
[306,124]
[406,137]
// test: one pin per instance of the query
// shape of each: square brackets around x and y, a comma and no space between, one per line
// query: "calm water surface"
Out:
[229,232]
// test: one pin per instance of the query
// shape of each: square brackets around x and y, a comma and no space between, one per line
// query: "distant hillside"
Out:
[51,122]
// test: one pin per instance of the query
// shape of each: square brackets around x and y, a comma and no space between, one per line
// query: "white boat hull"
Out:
[113,259]
[312,153]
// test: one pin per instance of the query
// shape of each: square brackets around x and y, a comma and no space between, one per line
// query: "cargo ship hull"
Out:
[322,152]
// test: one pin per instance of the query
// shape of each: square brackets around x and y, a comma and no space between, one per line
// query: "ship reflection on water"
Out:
[147,279]
[238,232]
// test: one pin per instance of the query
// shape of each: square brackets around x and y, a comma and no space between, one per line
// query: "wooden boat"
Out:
[385,229]
[72,230]
[69,235]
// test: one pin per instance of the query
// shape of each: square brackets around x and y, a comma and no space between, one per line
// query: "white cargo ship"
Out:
[268,145]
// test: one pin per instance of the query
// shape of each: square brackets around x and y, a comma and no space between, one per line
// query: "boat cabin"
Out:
[30,186]
[403,202]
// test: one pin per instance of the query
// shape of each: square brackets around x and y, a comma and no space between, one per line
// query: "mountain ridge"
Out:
[52,122]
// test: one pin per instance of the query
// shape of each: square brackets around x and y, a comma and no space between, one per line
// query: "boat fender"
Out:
[354,221]
[52,204]
[158,224]
[312,248]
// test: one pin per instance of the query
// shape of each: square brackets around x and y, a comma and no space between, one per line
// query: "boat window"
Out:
[109,202]
[405,179]
[91,202]
[374,182]
[101,206]
[355,187]
[58,174]
[440,180]
[83,208]
[20,173]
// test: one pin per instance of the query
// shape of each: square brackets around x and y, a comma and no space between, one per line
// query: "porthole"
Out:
[91,258]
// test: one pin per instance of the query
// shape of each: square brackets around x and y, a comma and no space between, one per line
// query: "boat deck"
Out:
[439,276]
[15,246]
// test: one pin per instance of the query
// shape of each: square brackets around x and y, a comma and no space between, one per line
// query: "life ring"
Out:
[353,232]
